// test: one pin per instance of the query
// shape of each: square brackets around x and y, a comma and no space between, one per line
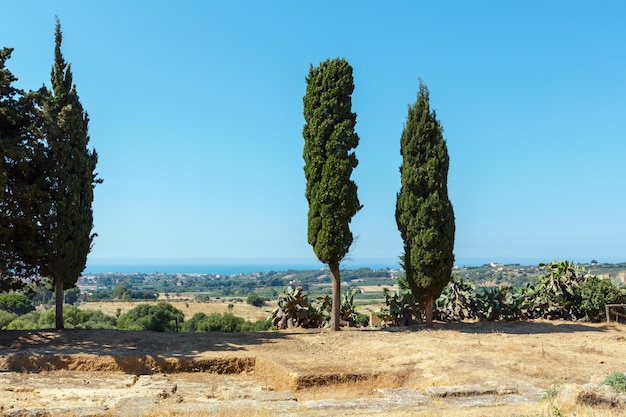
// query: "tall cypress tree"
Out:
[72,178]
[424,213]
[329,140]
[24,202]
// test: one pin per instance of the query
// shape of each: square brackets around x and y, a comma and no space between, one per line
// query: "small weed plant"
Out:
[551,392]
[616,380]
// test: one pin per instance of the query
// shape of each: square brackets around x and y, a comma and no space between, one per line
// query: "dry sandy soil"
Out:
[481,369]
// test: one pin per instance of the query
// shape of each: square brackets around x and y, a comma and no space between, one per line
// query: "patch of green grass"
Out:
[617,381]
[551,392]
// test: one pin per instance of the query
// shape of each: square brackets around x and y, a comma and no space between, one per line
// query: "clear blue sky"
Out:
[196,114]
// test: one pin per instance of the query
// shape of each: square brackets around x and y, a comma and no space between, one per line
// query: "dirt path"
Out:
[302,373]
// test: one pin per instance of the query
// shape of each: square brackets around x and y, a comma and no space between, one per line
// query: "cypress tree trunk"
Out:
[58,294]
[336,309]
[428,310]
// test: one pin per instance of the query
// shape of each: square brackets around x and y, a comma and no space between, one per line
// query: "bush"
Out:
[71,295]
[16,303]
[361,320]
[594,294]
[226,322]
[202,298]
[6,318]
[96,319]
[162,317]
[29,321]
[75,318]
[255,300]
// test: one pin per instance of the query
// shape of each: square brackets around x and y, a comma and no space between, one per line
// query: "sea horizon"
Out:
[222,269]
[246,267]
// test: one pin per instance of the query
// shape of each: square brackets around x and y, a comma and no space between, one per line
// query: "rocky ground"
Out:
[486,366]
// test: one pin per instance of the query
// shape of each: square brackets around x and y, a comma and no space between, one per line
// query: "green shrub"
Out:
[256,326]
[17,303]
[255,300]
[6,318]
[616,380]
[76,318]
[226,322]
[361,320]
[95,319]
[594,294]
[29,321]
[162,317]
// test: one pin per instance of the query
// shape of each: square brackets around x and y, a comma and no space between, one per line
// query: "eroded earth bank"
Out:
[454,369]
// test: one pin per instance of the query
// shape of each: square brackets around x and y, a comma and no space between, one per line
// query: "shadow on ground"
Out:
[516,327]
[120,342]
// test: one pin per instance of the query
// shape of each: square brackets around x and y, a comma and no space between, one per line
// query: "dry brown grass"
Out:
[189,308]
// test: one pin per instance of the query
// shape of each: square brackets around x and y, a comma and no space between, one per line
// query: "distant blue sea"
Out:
[223,269]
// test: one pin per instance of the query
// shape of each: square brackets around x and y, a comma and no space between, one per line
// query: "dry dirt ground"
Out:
[481,369]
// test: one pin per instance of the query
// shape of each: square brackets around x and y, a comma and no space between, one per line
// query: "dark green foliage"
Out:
[41,292]
[75,318]
[6,318]
[361,320]
[23,199]
[162,317]
[460,301]
[16,303]
[202,298]
[226,322]
[255,300]
[100,295]
[71,180]
[329,140]
[124,293]
[498,303]
[424,214]
[71,295]
[555,294]
[28,321]
[594,294]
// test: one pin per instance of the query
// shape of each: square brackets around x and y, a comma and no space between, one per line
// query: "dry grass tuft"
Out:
[590,350]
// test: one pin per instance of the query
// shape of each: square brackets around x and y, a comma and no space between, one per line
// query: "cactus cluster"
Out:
[566,291]
[295,310]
